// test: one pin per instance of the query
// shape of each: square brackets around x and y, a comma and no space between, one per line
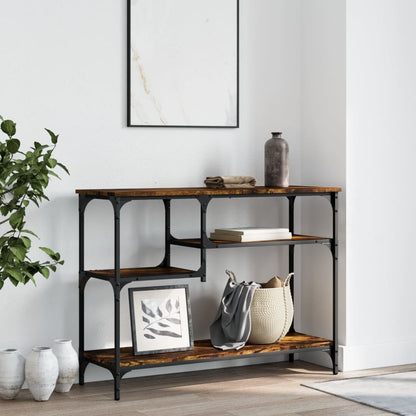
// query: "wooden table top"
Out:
[160,192]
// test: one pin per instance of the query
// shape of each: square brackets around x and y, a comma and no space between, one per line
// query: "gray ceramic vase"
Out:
[276,161]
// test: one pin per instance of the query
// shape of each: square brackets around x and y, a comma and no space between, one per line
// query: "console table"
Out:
[118,360]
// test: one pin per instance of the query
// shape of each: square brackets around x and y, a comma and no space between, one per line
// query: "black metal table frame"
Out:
[117,283]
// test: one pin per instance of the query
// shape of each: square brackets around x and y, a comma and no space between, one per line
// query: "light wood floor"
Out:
[261,390]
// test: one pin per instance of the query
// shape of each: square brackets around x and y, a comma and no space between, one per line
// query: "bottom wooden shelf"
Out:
[203,350]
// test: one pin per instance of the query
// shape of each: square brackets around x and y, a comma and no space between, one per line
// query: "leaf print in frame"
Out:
[160,318]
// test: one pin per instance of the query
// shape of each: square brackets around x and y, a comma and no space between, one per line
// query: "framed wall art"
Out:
[182,63]
[160,319]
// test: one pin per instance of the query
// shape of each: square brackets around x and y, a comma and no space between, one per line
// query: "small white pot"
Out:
[12,373]
[41,373]
[68,364]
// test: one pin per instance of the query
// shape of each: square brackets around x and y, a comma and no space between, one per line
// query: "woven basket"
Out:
[271,313]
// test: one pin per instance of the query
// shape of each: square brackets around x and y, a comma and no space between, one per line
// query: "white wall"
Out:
[322,160]
[381,102]
[358,65]
[64,67]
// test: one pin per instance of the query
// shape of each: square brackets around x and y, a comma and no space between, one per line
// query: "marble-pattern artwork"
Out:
[183,63]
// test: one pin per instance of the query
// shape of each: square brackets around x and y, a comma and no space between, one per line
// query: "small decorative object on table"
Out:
[276,161]
[223,182]
[271,311]
[160,319]
[67,362]
[12,373]
[41,373]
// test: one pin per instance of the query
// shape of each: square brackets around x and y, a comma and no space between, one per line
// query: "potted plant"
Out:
[24,177]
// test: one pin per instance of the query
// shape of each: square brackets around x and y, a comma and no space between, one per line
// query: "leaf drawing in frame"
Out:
[161,318]
[147,310]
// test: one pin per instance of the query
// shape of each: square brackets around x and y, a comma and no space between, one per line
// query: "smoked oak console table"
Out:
[120,361]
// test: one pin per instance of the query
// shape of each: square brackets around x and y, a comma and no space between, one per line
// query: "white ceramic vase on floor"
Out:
[68,364]
[41,373]
[12,373]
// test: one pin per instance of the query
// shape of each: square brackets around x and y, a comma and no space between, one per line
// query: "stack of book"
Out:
[247,234]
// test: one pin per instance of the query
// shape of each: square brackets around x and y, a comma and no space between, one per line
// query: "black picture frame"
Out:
[161,320]
[130,123]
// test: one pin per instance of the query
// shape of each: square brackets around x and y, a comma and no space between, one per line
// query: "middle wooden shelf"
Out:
[209,243]
[161,272]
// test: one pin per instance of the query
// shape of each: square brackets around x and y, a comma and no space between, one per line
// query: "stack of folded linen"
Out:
[230,182]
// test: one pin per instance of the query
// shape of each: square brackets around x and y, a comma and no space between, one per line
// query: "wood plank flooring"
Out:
[260,390]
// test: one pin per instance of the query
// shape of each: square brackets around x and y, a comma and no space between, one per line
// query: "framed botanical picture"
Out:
[182,63]
[160,319]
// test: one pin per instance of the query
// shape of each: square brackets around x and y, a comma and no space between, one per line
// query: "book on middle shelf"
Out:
[251,230]
[247,234]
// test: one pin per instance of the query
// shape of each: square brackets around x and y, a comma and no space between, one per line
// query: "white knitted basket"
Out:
[271,313]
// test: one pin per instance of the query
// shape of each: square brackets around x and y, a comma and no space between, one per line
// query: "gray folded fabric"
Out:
[232,324]
[230,182]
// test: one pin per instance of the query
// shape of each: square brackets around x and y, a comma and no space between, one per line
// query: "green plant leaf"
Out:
[38,146]
[16,218]
[28,276]
[16,274]
[8,127]
[13,145]
[26,241]
[4,210]
[19,252]
[1,281]
[54,137]
[45,272]
[52,162]
[14,281]
[63,167]
[20,191]
[52,173]
[30,232]
[48,251]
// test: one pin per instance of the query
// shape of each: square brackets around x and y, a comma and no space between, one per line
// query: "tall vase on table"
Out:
[276,161]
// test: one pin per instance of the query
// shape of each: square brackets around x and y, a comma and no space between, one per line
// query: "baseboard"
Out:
[361,357]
